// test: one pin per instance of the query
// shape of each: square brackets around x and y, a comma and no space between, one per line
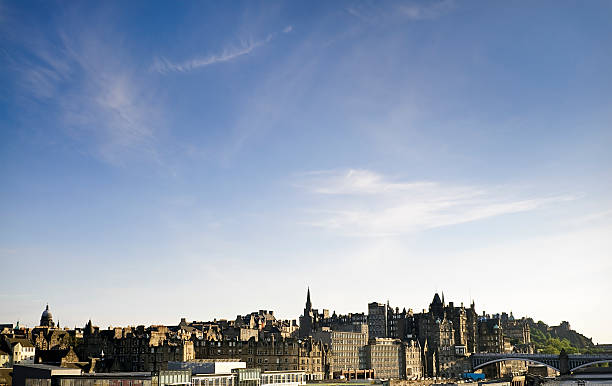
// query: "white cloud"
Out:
[164,65]
[362,202]
[288,29]
[356,181]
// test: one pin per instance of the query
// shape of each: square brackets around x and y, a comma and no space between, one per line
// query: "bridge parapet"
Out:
[559,363]
[482,359]
[576,361]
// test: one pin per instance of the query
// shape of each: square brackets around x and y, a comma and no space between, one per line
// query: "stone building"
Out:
[518,332]
[436,332]
[378,319]
[472,329]
[384,357]
[240,333]
[490,335]
[402,324]
[134,349]
[458,317]
[49,336]
[273,353]
[344,322]
[45,338]
[347,348]
[411,366]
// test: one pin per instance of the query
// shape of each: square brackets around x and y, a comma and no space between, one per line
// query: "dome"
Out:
[46,318]
[46,313]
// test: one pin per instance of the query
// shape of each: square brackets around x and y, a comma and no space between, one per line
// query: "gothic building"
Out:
[311,318]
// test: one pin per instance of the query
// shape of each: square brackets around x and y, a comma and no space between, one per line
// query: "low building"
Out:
[283,378]
[19,350]
[351,375]
[39,374]
[251,377]
[208,366]
[214,380]
[47,375]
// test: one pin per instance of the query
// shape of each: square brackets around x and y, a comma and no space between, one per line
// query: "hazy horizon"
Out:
[103,324]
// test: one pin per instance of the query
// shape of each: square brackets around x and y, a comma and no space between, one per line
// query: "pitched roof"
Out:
[23,341]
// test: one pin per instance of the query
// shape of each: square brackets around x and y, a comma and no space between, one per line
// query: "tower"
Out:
[437,307]
[308,308]
[307,319]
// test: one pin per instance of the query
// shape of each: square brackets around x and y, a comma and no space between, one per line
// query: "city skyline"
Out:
[331,310]
[200,160]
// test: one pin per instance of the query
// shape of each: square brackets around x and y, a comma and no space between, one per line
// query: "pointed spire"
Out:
[308,303]
[436,299]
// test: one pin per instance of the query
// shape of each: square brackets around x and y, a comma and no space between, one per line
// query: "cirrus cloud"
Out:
[365,203]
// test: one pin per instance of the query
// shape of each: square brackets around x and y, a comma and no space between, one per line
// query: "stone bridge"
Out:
[562,363]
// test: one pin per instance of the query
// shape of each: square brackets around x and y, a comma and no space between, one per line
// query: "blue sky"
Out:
[203,160]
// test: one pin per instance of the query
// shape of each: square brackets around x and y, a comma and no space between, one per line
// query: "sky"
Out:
[161,160]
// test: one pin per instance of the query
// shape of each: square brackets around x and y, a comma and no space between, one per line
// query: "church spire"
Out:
[308,303]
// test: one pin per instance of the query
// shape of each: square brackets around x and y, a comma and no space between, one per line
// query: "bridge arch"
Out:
[506,359]
[591,363]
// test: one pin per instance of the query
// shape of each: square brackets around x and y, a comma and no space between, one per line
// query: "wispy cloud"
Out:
[425,11]
[98,100]
[588,219]
[377,13]
[362,202]
[164,65]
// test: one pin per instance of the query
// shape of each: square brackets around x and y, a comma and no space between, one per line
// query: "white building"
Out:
[20,351]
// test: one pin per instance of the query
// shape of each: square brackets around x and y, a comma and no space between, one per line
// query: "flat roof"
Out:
[53,370]
[282,372]
[115,375]
[210,360]
[39,366]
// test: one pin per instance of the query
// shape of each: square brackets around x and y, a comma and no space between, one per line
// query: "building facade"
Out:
[384,357]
